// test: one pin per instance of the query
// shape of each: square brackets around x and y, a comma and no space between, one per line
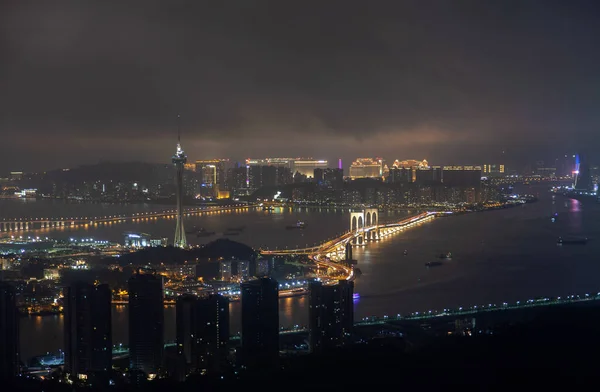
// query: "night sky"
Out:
[451,81]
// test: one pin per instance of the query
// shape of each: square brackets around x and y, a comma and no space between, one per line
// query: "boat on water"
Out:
[298,225]
[446,256]
[572,240]
[433,264]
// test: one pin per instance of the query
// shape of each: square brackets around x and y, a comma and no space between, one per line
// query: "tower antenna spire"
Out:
[178,128]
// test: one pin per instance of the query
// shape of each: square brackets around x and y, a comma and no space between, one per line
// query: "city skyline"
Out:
[351,80]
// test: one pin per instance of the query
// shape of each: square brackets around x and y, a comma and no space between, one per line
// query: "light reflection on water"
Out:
[498,256]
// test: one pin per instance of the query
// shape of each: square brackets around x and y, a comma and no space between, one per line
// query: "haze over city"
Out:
[299,196]
[450,82]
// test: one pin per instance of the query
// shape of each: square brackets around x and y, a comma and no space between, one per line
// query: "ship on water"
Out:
[298,225]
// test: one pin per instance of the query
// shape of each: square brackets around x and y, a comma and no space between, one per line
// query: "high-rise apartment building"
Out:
[461,176]
[398,175]
[582,176]
[225,272]
[87,330]
[428,175]
[333,177]
[146,323]
[213,175]
[262,268]
[331,314]
[237,179]
[318,175]
[268,175]
[260,324]
[9,333]
[412,164]
[202,332]
[243,269]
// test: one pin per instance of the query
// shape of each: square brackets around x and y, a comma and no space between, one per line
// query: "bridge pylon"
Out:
[361,220]
[372,219]
[357,224]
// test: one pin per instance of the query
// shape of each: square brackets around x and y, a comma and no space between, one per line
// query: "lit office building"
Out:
[366,168]
[137,240]
[307,166]
[87,330]
[260,324]
[225,272]
[146,323]
[202,329]
[9,336]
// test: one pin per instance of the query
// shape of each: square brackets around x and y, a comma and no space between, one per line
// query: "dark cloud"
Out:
[450,81]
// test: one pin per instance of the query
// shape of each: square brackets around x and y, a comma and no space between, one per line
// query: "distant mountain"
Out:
[111,171]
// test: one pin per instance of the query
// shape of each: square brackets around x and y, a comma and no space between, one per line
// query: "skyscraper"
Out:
[202,332]
[331,315]
[146,320]
[260,324]
[179,160]
[243,269]
[88,343]
[346,307]
[262,267]
[225,272]
[213,173]
[582,178]
[9,333]
[465,176]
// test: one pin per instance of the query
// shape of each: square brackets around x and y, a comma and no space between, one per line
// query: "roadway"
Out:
[322,255]
[44,223]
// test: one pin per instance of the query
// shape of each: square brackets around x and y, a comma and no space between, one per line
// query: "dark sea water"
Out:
[498,256]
